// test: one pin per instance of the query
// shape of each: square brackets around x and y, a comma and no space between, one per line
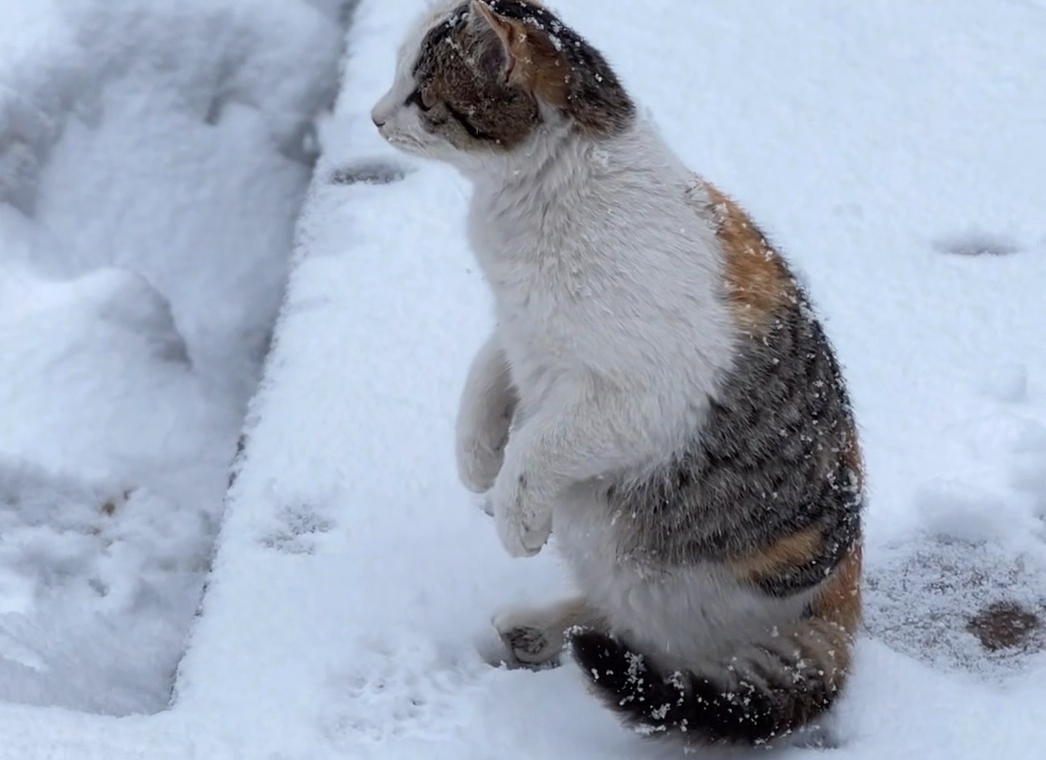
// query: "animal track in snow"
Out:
[368,172]
[296,529]
[397,689]
[976,243]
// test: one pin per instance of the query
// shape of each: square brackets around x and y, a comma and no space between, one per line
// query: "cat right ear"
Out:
[510,34]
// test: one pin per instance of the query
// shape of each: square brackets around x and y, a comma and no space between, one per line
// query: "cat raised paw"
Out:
[479,462]
[484,416]
[521,514]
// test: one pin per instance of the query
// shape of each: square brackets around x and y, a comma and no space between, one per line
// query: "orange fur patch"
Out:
[757,280]
[827,644]
[796,549]
[533,61]
[554,65]
[839,600]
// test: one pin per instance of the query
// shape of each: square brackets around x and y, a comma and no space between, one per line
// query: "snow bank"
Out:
[861,137]
[153,159]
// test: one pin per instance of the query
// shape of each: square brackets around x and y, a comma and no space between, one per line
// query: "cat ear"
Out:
[531,49]
[510,34]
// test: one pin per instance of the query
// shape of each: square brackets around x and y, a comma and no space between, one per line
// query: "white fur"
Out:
[484,415]
[400,125]
[611,317]
[608,295]
[693,617]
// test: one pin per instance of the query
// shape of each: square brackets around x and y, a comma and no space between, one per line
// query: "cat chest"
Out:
[539,349]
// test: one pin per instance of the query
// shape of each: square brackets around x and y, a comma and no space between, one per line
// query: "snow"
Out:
[891,149]
[153,161]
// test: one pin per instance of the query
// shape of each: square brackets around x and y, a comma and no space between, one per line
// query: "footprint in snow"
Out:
[397,688]
[375,172]
[976,243]
[297,528]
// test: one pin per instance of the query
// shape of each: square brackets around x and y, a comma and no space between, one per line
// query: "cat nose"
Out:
[378,116]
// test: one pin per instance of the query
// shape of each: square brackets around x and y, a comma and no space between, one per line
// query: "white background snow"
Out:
[153,159]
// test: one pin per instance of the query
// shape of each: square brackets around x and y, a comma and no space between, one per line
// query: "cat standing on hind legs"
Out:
[675,408]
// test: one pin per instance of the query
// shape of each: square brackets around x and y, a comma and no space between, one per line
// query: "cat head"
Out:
[481,79]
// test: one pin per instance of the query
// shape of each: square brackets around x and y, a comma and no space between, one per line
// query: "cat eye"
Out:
[422,98]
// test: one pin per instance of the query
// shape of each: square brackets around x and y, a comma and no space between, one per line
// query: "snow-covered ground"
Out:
[154,157]
[892,149]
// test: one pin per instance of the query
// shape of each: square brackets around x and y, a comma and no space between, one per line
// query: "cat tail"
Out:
[766,690]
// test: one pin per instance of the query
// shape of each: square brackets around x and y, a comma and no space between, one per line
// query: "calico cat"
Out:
[657,387]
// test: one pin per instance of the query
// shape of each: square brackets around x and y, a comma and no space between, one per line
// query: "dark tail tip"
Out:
[687,706]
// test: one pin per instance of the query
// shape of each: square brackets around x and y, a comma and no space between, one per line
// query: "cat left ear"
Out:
[510,33]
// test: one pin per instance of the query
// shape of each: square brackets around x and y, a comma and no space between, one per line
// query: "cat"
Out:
[657,386]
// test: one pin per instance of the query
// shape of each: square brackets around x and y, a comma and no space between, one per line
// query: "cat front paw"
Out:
[522,513]
[479,462]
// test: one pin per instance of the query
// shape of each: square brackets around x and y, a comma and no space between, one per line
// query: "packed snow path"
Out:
[892,150]
[154,158]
